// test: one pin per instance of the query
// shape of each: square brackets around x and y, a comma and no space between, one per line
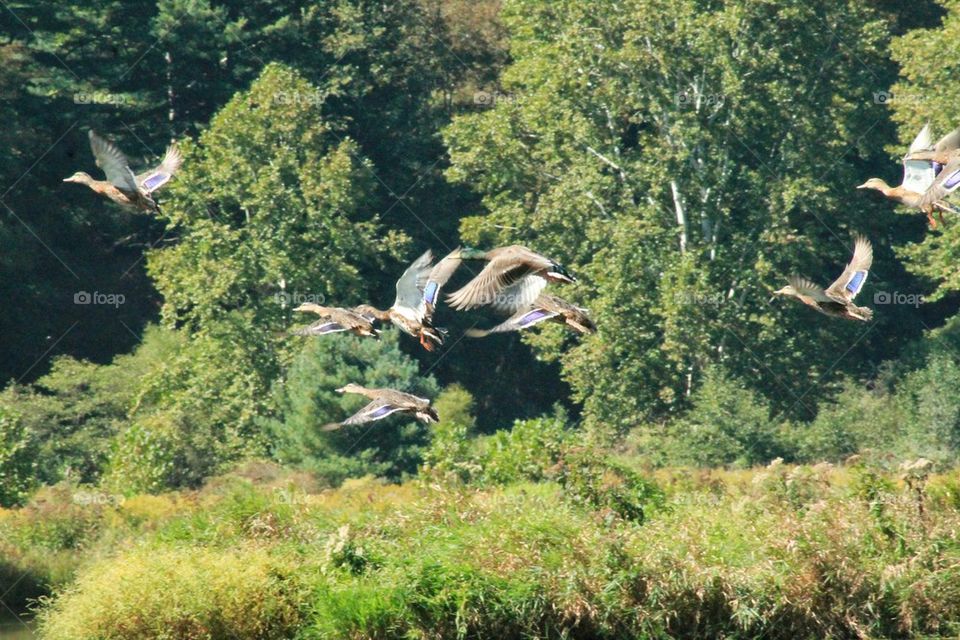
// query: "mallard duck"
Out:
[417,291]
[336,319]
[920,171]
[837,299]
[384,402]
[545,307]
[945,156]
[122,186]
[512,278]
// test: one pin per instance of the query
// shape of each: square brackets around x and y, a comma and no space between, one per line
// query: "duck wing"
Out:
[500,272]
[375,410]
[923,141]
[160,175]
[520,295]
[320,328]
[946,183]
[437,278]
[411,284]
[949,142]
[114,164]
[806,288]
[517,322]
[918,175]
[848,285]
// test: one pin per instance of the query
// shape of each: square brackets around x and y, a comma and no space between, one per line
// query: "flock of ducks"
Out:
[511,282]
[513,279]
[931,172]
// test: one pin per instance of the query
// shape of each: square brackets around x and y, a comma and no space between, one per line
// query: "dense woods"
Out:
[681,157]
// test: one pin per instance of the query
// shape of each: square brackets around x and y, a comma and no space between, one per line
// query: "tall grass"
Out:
[778,552]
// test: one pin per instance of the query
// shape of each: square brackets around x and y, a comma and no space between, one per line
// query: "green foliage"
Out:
[925,94]
[906,414]
[781,553]
[613,489]
[527,452]
[18,457]
[729,425]
[449,454]
[307,400]
[241,593]
[646,145]
[273,205]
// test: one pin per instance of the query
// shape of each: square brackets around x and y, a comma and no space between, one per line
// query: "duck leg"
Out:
[425,342]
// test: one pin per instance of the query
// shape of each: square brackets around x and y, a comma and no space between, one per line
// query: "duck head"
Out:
[309,306]
[877,184]
[351,387]
[81,177]
[785,291]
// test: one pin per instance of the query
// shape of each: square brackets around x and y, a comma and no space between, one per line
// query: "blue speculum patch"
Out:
[430,292]
[856,281]
[153,181]
[534,316]
[382,411]
[952,180]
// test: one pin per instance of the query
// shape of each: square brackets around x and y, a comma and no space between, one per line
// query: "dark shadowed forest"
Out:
[714,460]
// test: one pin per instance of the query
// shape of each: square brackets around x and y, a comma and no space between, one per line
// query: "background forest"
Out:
[681,157]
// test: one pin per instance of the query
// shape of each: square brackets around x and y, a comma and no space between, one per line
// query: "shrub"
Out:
[728,425]
[171,594]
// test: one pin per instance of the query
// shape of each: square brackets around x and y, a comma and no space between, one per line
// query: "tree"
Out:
[306,400]
[665,152]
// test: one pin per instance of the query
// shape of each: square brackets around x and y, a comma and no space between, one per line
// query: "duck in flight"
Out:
[336,319]
[127,189]
[545,307]
[837,299]
[512,278]
[417,290]
[923,167]
[385,402]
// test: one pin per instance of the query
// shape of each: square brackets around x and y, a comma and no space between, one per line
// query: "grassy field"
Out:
[779,552]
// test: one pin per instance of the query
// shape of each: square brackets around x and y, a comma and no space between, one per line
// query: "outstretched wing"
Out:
[411,284]
[923,141]
[377,410]
[438,277]
[152,180]
[949,142]
[519,295]
[499,274]
[918,175]
[848,285]
[320,328]
[114,163]
[517,322]
[808,289]
[945,184]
